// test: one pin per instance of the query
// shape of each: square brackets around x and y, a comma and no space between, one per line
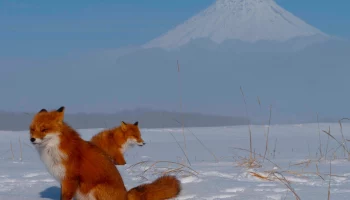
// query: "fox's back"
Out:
[96,166]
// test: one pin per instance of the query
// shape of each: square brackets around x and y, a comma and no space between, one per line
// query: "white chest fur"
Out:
[81,196]
[127,144]
[51,155]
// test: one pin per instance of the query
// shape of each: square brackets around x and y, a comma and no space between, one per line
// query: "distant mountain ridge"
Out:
[147,119]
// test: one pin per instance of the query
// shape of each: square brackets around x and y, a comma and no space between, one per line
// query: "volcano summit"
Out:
[245,20]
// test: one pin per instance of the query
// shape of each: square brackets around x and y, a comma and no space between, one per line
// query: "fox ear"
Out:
[61,109]
[60,113]
[123,125]
[43,110]
[136,123]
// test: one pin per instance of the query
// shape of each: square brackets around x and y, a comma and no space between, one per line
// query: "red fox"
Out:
[84,170]
[115,141]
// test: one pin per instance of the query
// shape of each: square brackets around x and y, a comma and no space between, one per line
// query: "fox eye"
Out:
[31,129]
[43,129]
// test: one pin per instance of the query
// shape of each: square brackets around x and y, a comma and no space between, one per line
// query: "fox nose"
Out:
[141,143]
[32,139]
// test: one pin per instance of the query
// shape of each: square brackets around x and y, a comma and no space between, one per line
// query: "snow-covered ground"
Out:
[207,179]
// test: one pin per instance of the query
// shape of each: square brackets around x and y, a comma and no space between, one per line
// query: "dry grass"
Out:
[276,176]
[260,176]
[164,168]
[211,152]
[274,149]
[267,135]
[259,102]
[249,129]
[306,163]
[249,163]
[341,144]
[346,149]
[13,155]
[20,147]
[285,182]
[255,160]
[183,124]
[12,150]
[183,151]
[329,183]
[180,94]
[319,137]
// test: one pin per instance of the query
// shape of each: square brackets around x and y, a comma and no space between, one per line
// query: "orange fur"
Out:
[163,188]
[114,141]
[84,170]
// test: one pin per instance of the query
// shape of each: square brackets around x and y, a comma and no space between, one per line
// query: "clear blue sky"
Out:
[35,29]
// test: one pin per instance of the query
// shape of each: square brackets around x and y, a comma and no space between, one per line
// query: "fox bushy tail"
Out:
[165,187]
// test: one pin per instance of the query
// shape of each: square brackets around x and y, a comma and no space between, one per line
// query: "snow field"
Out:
[204,179]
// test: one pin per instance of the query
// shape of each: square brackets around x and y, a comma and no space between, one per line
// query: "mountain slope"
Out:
[246,20]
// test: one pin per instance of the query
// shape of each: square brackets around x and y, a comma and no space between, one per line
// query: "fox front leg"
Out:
[119,159]
[68,189]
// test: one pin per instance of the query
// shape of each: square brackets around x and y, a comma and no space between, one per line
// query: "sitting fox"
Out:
[83,170]
[116,140]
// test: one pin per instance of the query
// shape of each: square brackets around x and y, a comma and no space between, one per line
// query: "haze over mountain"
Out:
[255,44]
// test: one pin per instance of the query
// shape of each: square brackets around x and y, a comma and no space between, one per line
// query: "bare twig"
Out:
[13,156]
[180,92]
[329,130]
[303,163]
[274,150]
[216,159]
[250,131]
[284,181]
[178,70]
[344,140]
[20,146]
[329,183]
[318,172]
[330,135]
[319,136]
[181,149]
[267,136]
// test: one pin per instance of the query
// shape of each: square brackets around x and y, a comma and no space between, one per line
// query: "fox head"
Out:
[132,133]
[46,125]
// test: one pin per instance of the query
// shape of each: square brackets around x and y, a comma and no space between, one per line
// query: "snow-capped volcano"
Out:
[246,20]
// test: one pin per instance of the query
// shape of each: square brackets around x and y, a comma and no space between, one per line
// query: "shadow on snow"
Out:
[51,193]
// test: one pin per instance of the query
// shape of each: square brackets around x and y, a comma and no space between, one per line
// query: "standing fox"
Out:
[84,170]
[115,141]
